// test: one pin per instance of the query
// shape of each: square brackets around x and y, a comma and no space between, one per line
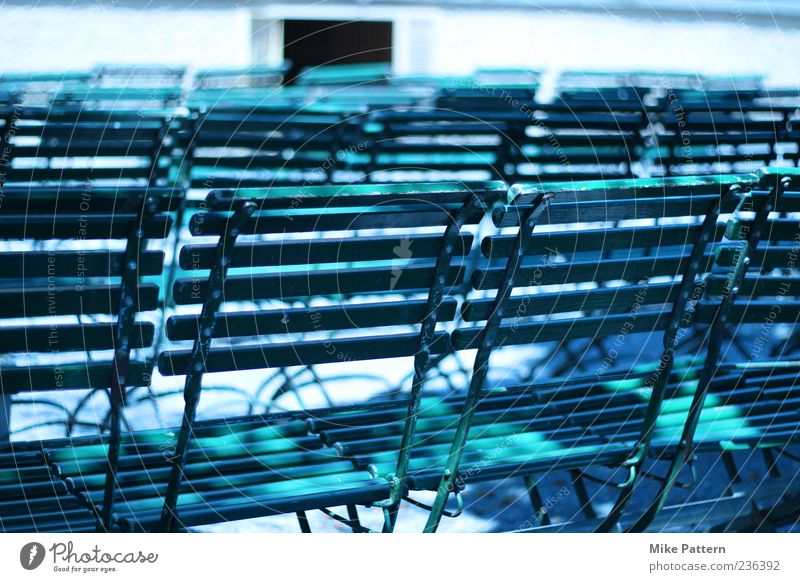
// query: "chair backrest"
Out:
[485,98]
[139,75]
[703,137]
[769,294]
[260,76]
[311,266]
[359,74]
[514,142]
[71,146]
[319,297]
[622,278]
[407,145]
[77,268]
[235,147]
[39,86]
[621,98]
[574,270]
[145,98]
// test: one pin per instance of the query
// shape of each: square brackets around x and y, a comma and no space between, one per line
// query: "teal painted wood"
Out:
[39,284]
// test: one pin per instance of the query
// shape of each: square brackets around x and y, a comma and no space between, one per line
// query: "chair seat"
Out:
[260,466]
[33,498]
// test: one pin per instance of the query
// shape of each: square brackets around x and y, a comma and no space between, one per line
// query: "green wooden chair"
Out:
[235,147]
[70,312]
[700,137]
[368,291]
[360,74]
[671,398]
[71,147]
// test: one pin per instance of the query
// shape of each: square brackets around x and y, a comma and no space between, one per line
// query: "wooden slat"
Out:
[278,355]
[360,195]
[629,269]
[61,337]
[623,298]
[82,227]
[632,189]
[758,286]
[566,329]
[91,299]
[373,217]
[26,175]
[32,264]
[86,148]
[311,319]
[64,200]
[329,250]
[754,311]
[584,240]
[612,210]
[78,376]
[376,280]
[772,257]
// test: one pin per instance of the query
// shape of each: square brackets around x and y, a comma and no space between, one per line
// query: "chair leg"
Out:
[302,519]
[583,495]
[352,516]
[542,517]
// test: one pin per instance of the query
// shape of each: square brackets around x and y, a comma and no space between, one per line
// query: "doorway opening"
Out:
[309,43]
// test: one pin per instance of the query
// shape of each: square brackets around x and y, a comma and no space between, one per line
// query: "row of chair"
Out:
[351,85]
[282,278]
[276,146]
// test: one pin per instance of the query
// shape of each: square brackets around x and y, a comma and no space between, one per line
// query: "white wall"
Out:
[53,38]
[426,39]
[585,41]
[457,41]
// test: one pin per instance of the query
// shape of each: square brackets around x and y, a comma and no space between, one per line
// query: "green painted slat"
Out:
[560,212]
[203,512]
[249,494]
[303,220]
[25,175]
[33,264]
[81,227]
[562,330]
[328,282]
[152,483]
[76,376]
[773,257]
[754,286]
[360,194]
[585,240]
[86,148]
[80,200]
[328,250]
[623,298]
[345,74]
[630,269]
[300,320]
[633,188]
[30,301]
[279,355]
[61,338]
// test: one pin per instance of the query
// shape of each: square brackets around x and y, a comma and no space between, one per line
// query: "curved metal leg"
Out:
[658,381]
[487,339]
[422,357]
[730,291]
[118,381]
[196,367]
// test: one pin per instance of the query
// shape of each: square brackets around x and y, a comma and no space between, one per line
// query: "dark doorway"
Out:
[318,42]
